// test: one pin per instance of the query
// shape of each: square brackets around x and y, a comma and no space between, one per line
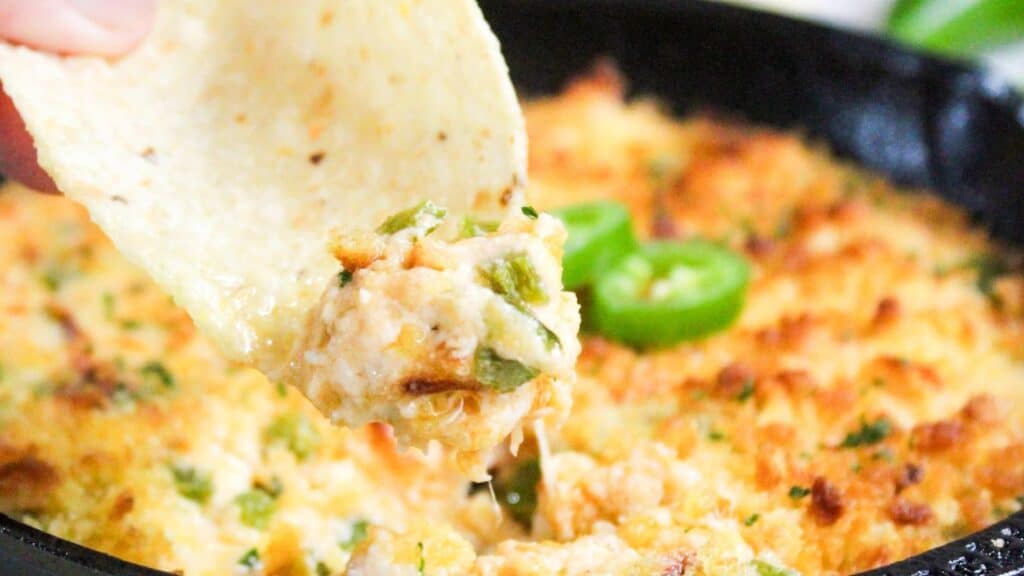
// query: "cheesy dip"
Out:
[463,342]
[866,404]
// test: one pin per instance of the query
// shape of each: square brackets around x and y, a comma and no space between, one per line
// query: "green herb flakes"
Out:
[501,374]
[530,212]
[344,277]
[798,492]
[250,560]
[868,433]
[192,484]
[752,519]
[160,373]
[425,214]
[422,566]
[747,392]
[296,432]
[109,306]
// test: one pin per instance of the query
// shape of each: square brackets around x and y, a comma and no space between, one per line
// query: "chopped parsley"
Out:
[716,436]
[250,560]
[425,214]
[109,306]
[747,392]
[501,374]
[192,484]
[422,566]
[160,372]
[358,534]
[471,227]
[54,277]
[282,389]
[868,433]
[530,212]
[322,569]
[517,490]
[344,277]
[798,492]
[256,507]
[987,268]
[294,431]
[752,519]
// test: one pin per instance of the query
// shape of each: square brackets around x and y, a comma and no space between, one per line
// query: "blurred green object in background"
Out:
[957,27]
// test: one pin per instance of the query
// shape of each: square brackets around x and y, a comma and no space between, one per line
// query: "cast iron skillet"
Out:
[921,121]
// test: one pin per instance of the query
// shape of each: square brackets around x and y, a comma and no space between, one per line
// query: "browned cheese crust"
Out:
[866,406]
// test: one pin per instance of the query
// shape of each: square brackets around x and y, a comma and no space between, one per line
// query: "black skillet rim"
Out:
[998,549]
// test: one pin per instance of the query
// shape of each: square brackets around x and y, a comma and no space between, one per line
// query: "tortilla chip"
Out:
[221,154]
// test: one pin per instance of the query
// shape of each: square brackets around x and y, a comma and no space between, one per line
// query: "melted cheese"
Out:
[865,304]
[398,343]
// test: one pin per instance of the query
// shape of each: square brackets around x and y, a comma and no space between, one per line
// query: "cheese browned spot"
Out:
[458,340]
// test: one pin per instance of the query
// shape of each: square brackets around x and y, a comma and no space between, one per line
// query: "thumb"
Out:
[95,27]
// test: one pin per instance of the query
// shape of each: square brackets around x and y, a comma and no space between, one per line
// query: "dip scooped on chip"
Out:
[251,154]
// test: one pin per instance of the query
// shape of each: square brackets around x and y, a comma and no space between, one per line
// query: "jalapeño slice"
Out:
[667,292]
[600,233]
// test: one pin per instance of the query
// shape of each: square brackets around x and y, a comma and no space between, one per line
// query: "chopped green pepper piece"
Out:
[868,433]
[256,507]
[667,292]
[425,213]
[960,27]
[471,227]
[517,490]
[501,374]
[296,432]
[359,533]
[192,484]
[600,234]
[515,279]
[765,569]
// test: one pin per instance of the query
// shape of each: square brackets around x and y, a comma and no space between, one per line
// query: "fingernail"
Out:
[126,21]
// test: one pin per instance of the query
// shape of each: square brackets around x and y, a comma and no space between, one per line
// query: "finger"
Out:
[94,27]
[17,152]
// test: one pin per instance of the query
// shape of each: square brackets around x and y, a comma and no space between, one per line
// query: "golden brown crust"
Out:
[864,306]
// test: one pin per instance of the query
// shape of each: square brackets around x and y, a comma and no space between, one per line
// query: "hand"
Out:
[73,27]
